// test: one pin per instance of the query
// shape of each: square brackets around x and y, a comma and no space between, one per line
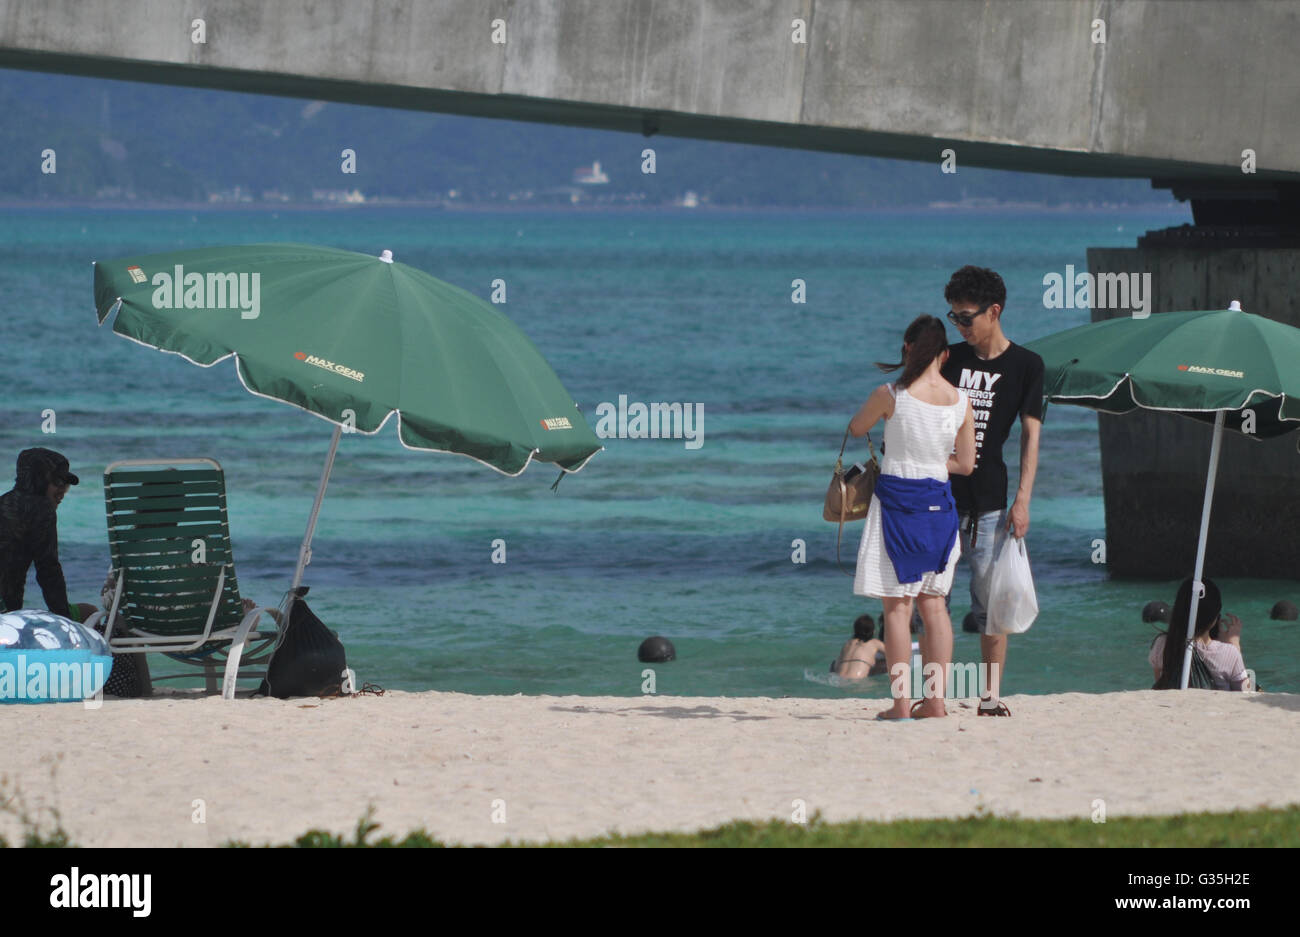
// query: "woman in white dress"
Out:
[929,435]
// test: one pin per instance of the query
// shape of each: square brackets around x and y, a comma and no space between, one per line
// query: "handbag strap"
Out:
[839,535]
[845,443]
[839,479]
[839,460]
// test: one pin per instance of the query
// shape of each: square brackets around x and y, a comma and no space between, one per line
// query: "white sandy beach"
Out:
[129,773]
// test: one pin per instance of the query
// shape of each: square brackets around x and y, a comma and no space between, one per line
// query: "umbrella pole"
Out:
[304,553]
[1197,588]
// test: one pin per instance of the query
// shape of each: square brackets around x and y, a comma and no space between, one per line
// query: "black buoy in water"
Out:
[655,650]
[1156,611]
[1283,611]
[969,623]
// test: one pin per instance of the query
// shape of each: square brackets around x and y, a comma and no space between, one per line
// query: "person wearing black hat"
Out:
[29,530]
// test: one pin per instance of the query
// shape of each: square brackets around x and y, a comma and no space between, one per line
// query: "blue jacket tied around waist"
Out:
[918,519]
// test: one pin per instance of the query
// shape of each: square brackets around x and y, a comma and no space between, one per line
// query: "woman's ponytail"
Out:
[928,340]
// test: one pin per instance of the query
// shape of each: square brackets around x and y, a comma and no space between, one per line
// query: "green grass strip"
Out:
[1240,828]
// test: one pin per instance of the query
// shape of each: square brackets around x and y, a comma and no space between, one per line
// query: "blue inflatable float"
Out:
[46,658]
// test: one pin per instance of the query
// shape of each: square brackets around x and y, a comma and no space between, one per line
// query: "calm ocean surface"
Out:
[650,538]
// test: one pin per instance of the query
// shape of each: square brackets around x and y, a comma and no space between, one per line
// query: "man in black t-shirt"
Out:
[1004,381]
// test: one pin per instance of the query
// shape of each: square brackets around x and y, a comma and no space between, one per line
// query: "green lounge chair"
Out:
[176,591]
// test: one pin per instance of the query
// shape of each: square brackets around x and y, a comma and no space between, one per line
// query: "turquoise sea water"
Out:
[650,538]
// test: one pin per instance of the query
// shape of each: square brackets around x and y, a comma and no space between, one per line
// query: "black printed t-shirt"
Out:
[1000,389]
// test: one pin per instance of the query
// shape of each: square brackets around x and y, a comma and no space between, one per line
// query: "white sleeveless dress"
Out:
[919,437]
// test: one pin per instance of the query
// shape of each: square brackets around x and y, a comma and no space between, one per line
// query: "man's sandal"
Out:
[999,710]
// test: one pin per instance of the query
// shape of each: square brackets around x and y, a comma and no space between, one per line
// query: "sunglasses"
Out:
[964,319]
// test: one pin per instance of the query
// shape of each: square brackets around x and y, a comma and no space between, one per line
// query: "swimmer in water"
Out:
[863,655]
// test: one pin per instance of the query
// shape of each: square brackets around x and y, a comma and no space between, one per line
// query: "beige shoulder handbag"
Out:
[849,495]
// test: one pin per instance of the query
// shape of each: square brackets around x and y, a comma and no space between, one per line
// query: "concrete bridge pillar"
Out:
[1154,464]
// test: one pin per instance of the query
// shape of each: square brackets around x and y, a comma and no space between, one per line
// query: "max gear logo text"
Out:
[357,376]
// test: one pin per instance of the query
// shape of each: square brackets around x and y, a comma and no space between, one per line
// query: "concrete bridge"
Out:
[1175,90]
[1201,97]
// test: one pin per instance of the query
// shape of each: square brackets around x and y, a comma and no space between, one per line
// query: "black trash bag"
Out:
[309,662]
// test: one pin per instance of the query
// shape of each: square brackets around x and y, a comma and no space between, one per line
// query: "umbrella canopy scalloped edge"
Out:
[111,312]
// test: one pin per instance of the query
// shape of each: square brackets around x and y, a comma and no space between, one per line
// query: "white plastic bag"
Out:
[1012,603]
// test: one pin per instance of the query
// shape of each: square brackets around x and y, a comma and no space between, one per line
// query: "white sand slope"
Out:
[129,773]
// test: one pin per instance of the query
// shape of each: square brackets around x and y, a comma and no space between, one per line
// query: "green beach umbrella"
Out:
[1212,366]
[354,339]
[1198,364]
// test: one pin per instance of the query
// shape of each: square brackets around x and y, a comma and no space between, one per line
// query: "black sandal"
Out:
[999,710]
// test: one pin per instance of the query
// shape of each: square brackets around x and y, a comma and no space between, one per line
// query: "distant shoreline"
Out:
[489,208]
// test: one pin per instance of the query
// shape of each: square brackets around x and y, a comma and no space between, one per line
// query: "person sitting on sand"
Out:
[863,655]
[1217,644]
